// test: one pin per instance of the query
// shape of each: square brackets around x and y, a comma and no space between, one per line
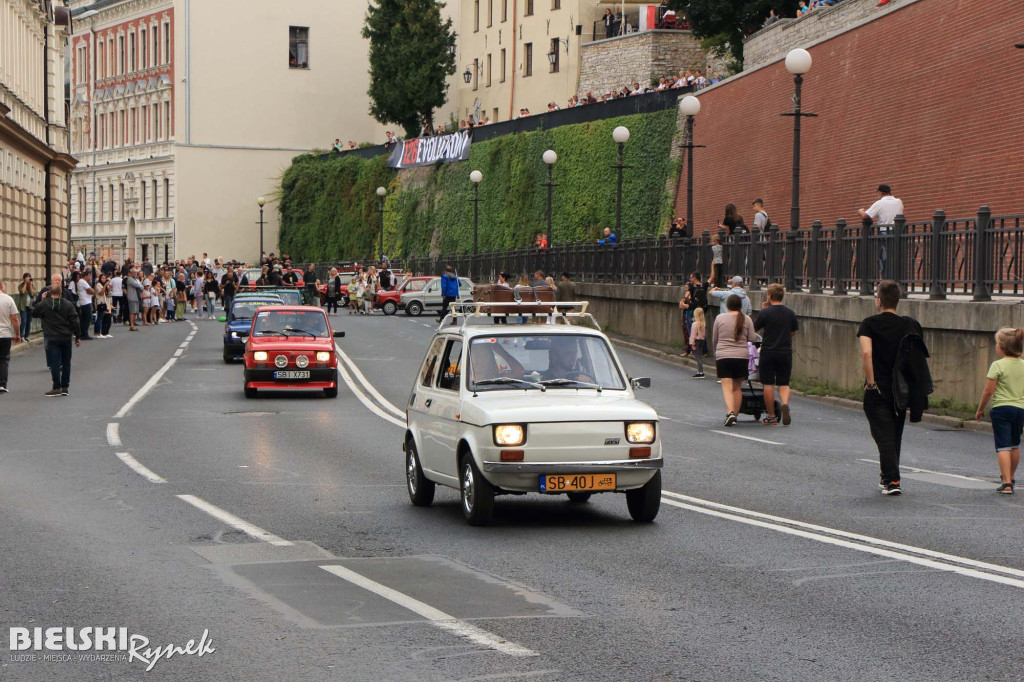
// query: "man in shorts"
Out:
[777,325]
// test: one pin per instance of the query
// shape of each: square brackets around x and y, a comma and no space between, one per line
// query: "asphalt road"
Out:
[350,582]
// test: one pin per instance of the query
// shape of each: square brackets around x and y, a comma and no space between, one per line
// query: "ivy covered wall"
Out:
[329,208]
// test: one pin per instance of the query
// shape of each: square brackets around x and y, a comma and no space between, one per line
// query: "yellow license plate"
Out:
[575,482]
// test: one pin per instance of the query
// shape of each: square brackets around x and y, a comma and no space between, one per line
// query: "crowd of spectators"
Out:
[805,6]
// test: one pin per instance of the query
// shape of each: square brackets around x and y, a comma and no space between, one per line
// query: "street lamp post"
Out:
[621,137]
[261,202]
[550,157]
[475,177]
[381,192]
[689,106]
[798,62]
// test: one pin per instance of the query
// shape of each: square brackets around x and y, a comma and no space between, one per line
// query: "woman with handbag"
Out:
[102,300]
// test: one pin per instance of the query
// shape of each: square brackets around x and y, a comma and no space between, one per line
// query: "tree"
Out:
[412,53]
[722,24]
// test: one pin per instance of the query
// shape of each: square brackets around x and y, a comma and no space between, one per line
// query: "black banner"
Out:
[425,151]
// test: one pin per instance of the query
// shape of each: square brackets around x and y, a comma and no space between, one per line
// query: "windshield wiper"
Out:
[500,381]
[571,382]
[268,332]
[299,331]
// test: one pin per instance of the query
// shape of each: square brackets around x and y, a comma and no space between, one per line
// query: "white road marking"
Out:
[146,388]
[736,435]
[428,326]
[366,401]
[436,617]
[138,468]
[113,437]
[184,344]
[904,467]
[177,353]
[862,543]
[363,380]
[235,522]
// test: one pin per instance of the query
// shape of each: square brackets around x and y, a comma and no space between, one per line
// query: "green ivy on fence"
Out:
[329,206]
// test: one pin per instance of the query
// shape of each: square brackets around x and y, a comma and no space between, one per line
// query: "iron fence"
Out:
[978,256]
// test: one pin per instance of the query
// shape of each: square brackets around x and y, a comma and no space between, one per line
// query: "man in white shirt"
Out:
[117,294]
[85,293]
[10,329]
[883,212]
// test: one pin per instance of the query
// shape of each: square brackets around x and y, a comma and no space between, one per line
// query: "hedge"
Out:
[329,207]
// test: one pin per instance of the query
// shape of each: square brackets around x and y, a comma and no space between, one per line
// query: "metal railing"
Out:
[980,256]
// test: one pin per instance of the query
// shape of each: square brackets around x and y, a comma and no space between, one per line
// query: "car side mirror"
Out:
[339,335]
[640,382]
[222,319]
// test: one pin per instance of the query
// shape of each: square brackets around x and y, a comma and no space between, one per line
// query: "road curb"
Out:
[22,348]
[709,368]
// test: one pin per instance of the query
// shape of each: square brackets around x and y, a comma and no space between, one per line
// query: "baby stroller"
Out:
[753,396]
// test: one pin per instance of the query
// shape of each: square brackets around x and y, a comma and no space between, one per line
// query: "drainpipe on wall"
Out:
[512,90]
[48,169]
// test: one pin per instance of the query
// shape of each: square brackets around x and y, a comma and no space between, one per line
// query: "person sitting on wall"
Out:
[609,238]
[336,147]
[772,18]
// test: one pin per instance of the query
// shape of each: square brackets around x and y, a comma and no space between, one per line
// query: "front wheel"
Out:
[421,490]
[644,503]
[228,358]
[579,498]
[331,392]
[415,308]
[250,392]
[390,307]
[477,493]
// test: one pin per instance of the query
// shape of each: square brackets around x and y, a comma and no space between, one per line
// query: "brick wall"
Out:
[775,41]
[929,99]
[638,57]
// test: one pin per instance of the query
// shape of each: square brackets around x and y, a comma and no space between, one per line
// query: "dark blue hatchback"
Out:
[238,322]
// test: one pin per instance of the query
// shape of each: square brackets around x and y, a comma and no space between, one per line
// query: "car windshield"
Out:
[289,296]
[245,308]
[290,323]
[534,360]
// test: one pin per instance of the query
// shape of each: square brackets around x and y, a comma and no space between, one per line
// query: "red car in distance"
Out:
[388,300]
[291,348]
[382,298]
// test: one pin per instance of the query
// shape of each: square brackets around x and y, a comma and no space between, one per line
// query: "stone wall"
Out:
[959,334]
[775,41]
[637,57]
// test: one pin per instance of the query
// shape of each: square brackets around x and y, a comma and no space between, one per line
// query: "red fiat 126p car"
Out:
[291,348]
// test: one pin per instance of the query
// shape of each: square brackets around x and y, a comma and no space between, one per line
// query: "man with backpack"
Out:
[896,377]
[761,221]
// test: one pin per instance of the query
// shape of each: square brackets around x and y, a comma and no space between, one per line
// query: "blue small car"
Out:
[238,322]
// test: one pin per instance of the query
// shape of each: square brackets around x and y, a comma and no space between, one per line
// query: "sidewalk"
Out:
[35,342]
[674,356]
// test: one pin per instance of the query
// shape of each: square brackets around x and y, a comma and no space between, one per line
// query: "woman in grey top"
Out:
[732,331]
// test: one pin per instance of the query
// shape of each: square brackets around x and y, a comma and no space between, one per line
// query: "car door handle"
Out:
[427,404]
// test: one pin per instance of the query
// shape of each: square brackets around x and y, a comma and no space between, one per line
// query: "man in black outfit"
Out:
[777,324]
[60,325]
[880,337]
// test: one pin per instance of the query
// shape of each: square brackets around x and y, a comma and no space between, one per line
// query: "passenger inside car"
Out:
[491,360]
[563,362]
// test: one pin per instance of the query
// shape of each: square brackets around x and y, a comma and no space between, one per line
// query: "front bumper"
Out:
[609,467]
[235,347]
[318,378]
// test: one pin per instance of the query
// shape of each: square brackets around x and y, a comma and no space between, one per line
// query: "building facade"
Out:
[35,165]
[185,112]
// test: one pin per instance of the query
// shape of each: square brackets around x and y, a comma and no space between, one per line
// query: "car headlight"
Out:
[281,361]
[302,362]
[509,434]
[640,432]
[260,356]
[323,356]
[234,335]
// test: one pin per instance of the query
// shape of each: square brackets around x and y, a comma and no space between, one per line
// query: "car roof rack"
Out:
[487,312]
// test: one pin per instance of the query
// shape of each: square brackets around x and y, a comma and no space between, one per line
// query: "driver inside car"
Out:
[562,362]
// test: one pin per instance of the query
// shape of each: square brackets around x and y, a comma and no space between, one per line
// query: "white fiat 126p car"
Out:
[521,408]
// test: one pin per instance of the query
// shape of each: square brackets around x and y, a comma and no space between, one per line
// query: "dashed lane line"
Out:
[236,522]
[139,468]
[736,435]
[436,617]
[113,437]
[918,470]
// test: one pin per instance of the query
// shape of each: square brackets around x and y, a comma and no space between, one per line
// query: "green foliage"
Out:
[411,56]
[722,24]
[328,206]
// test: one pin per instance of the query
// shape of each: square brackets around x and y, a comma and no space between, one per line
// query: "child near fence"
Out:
[698,340]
